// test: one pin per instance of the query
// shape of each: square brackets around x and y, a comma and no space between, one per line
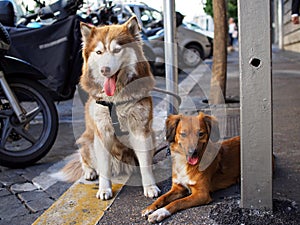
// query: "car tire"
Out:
[192,55]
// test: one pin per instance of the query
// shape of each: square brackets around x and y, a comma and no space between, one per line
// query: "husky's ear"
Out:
[133,26]
[171,126]
[212,126]
[86,31]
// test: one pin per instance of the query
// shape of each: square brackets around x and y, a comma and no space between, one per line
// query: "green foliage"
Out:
[231,8]
[208,8]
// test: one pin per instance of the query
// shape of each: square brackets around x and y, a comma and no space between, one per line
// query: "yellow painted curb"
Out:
[78,205]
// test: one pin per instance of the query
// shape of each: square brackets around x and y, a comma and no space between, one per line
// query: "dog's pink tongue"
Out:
[192,160]
[110,85]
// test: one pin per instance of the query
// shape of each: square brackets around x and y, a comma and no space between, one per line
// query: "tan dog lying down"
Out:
[189,138]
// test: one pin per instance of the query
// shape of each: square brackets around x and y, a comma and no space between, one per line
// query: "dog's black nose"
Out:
[191,151]
[105,69]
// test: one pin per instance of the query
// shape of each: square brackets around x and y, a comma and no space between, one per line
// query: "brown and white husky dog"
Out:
[118,79]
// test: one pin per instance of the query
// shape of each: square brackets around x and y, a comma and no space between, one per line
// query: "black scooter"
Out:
[55,48]
[49,71]
[28,116]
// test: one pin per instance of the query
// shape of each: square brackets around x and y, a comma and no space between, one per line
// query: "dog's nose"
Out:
[191,151]
[105,69]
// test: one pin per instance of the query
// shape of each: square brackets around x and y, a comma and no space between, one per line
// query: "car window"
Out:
[149,17]
[157,15]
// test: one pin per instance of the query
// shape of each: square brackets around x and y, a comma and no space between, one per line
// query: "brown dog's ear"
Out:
[212,126]
[171,125]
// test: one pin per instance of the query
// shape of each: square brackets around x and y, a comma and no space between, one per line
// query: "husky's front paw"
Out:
[104,194]
[89,173]
[105,189]
[151,191]
[158,215]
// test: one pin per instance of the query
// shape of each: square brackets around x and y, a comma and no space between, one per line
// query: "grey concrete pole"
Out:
[256,103]
[171,54]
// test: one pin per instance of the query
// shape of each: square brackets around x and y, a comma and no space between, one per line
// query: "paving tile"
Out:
[8,178]
[17,188]
[35,170]
[36,200]
[11,207]
[4,192]
[56,190]
[44,181]
[39,205]
[32,196]
[26,219]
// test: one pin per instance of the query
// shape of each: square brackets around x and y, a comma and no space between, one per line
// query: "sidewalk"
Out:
[128,204]
[225,208]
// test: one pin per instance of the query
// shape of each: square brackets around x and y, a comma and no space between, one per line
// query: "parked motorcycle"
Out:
[28,116]
[105,14]
[54,48]
[49,71]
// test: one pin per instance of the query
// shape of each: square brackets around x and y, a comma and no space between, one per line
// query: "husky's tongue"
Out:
[110,85]
[192,160]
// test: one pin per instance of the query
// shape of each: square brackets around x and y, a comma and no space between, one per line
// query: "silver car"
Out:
[193,46]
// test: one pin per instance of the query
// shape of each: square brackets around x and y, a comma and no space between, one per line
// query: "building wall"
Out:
[291,32]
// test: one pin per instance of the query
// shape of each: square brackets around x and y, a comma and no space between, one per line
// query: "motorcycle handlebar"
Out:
[60,9]
[45,13]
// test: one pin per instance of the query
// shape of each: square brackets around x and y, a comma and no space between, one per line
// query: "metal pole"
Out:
[171,53]
[280,23]
[256,103]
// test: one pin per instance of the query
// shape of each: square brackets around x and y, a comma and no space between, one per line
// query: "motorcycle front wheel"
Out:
[24,143]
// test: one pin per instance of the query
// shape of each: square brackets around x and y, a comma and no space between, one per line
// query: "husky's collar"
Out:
[114,117]
[113,114]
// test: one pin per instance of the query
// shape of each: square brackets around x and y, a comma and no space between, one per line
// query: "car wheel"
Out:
[192,55]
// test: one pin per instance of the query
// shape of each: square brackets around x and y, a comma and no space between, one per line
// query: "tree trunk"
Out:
[219,68]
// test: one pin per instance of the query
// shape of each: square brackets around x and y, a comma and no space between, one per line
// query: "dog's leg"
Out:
[86,162]
[89,173]
[143,148]
[86,153]
[103,157]
[197,198]
[177,191]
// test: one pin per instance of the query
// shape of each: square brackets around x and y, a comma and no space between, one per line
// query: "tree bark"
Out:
[219,68]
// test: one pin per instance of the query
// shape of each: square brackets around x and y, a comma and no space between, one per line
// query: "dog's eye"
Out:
[116,50]
[200,134]
[98,52]
[183,134]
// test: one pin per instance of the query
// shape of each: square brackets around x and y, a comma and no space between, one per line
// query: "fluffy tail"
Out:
[72,171]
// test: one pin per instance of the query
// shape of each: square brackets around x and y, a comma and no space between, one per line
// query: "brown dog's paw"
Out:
[146,212]
[158,215]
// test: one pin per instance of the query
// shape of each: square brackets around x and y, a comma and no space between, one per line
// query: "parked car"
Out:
[193,46]
[197,28]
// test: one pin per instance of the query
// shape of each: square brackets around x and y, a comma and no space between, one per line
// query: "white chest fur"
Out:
[180,172]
